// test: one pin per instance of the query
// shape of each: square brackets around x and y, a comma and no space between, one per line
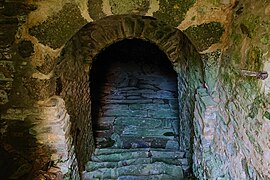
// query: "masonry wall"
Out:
[236,120]
[231,118]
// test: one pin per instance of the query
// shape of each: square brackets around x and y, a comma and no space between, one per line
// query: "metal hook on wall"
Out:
[258,74]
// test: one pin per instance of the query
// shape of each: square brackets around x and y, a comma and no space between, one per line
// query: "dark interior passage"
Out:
[134,97]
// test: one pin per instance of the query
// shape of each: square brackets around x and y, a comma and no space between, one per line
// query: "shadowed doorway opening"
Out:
[134,97]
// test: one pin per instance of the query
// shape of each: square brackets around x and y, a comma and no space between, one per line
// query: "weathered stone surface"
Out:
[40,89]
[129,7]
[16,8]
[47,66]
[3,97]
[173,12]
[95,9]
[25,48]
[51,32]
[8,29]
[120,162]
[204,35]
[143,170]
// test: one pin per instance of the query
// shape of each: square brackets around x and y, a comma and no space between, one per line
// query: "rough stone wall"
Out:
[233,115]
[73,85]
[235,143]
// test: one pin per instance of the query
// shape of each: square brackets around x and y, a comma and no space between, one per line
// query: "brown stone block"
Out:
[7,35]
[5,55]
[40,89]
[6,70]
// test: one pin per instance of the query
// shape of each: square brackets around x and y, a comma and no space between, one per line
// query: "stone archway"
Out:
[92,39]
[134,97]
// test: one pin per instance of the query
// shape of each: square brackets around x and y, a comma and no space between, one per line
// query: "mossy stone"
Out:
[129,6]
[264,39]
[173,12]
[267,115]
[60,27]
[95,9]
[204,35]
[254,58]
[250,25]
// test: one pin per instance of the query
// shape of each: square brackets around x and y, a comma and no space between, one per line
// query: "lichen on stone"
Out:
[95,9]
[251,24]
[173,12]
[129,6]
[254,58]
[59,27]
[204,35]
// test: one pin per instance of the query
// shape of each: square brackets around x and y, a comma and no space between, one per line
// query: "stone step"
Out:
[107,151]
[157,168]
[116,157]
[92,166]
[153,177]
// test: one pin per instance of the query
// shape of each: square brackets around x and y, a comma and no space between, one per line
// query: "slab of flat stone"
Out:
[92,166]
[153,177]
[105,151]
[137,154]
[157,168]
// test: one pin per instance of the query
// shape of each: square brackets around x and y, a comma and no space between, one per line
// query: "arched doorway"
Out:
[96,37]
[134,97]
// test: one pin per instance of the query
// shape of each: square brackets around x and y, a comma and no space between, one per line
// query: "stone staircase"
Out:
[137,164]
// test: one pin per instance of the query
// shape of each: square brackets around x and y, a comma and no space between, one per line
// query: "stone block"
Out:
[5,85]
[127,113]
[59,27]
[204,35]
[5,53]
[3,97]
[8,29]
[40,89]
[162,113]
[6,71]
[172,144]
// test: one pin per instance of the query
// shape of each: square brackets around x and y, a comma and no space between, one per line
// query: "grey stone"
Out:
[134,170]
[172,144]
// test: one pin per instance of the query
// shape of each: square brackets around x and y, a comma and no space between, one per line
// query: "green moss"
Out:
[215,2]
[264,39]
[259,102]
[204,35]
[251,24]
[236,38]
[236,56]
[267,115]
[95,9]
[60,27]
[254,58]
[173,12]
[129,6]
